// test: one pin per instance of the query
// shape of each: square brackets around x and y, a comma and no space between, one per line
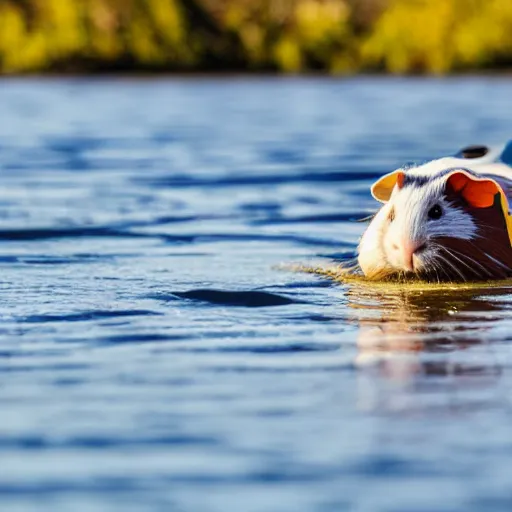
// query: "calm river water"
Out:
[155,352]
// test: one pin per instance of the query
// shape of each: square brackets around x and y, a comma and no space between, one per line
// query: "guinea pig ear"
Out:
[382,188]
[477,192]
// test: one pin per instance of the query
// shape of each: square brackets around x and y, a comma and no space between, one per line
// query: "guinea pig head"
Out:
[451,226]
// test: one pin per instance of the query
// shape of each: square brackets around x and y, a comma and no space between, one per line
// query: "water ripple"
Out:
[156,350]
[248,299]
[86,315]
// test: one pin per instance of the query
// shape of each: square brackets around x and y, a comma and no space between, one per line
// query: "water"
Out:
[156,355]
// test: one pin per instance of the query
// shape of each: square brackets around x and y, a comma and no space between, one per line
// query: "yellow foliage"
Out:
[252,38]
[19,49]
[412,36]
[102,22]
[61,26]
[434,36]
[320,21]
[288,55]
[439,35]
[167,20]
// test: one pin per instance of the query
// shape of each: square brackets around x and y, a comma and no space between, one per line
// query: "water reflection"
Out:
[429,351]
[408,334]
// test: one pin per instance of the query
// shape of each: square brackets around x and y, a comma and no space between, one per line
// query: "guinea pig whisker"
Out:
[498,262]
[498,251]
[471,260]
[451,265]
[486,227]
[464,258]
[435,267]
[488,272]
[432,264]
[447,268]
[439,271]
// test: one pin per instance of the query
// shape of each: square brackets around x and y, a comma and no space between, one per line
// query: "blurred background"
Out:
[158,352]
[333,36]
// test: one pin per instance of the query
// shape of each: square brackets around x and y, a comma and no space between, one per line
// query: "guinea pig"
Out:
[445,220]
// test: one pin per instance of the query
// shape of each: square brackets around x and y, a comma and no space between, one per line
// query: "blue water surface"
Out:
[156,351]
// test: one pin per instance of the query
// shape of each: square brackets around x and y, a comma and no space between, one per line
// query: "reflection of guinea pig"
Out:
[445,220]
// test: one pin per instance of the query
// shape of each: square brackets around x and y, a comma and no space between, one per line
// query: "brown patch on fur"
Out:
[487,256]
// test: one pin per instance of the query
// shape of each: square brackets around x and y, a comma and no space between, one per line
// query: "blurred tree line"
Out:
[337,36]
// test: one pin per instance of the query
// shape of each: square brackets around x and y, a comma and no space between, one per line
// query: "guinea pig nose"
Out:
[408,251]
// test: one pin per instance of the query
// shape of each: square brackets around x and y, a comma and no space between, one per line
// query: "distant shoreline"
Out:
[306,37]
[249,75]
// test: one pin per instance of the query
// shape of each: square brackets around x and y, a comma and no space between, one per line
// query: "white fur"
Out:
[372,257]
[412,224]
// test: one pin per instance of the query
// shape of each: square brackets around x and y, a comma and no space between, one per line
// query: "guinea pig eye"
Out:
[435,212]
[391,215]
